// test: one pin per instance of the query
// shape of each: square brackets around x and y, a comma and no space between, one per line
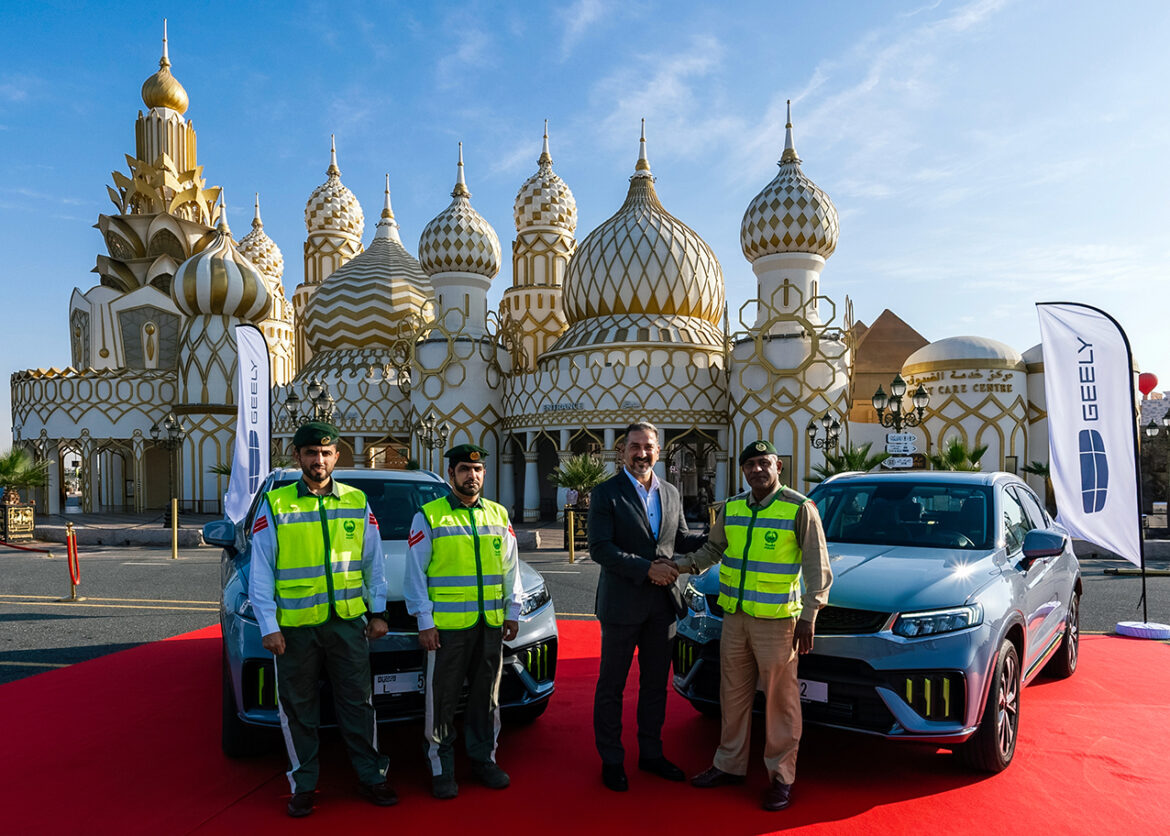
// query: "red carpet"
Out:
[130,744]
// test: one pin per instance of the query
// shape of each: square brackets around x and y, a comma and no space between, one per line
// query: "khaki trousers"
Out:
[750,650]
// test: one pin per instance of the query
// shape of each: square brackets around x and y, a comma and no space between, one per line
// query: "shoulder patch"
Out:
[415,538]
[260,524]
[373,520]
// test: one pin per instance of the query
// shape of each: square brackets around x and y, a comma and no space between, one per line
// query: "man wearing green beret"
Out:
[766,540]
[463,585]
[318,589]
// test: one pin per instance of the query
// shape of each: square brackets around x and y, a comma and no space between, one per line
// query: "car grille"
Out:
[933,695]
[843,621]
[540,660]
[259,683]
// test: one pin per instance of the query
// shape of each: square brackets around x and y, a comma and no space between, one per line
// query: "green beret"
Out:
[466,453]
[314,433]
[757,448]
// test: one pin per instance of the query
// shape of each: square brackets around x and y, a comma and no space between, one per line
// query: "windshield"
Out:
[926,514]
[394,502]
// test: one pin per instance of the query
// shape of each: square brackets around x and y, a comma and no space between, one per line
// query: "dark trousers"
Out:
[652,637]
[475,655]
[340,648]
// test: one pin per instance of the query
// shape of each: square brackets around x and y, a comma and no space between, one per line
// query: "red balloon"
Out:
[1147,382]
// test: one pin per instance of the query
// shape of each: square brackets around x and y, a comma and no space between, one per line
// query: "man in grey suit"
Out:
[636,526]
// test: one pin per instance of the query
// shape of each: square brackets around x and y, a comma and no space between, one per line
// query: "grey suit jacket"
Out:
[621,542]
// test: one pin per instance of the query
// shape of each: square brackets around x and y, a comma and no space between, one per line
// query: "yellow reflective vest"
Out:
[319,543]
[760,572]
[465,578]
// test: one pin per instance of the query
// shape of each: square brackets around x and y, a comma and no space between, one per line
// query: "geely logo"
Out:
[1094,471]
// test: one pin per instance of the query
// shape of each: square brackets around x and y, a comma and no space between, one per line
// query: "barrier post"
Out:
[72,558]
[571,532]
[174,529]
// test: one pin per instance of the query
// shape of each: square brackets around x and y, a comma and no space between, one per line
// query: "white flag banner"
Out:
[251,461]
[1088,383]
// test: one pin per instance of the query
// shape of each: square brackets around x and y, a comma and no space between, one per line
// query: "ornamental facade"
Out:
[629,323]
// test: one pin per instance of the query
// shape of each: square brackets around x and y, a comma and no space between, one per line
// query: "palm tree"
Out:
[581,473]
[851,459]
[18,469]
[956,455]
[1041,469]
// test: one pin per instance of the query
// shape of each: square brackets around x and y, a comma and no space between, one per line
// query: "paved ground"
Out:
[139,594]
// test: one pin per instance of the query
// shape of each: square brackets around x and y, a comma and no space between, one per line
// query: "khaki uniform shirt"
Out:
[810,535]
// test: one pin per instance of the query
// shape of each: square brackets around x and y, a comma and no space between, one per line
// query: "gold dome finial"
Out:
[789,155]
[643,160]
[387,212]
[387,226]
[162,89]
[460,183]
[333,170]
[222,224]
[545,156]
[256,222]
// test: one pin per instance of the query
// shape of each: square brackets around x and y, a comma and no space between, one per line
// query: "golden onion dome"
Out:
[261,250]
[366,302]
[644,261]
[545,199]
[459,239]
[332,207]
[162,89]
[219,280]
[792,214]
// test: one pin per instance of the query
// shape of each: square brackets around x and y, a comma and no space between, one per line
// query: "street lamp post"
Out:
[431,437]
[832,429]
[890,410]
[169,436]
[1152,430]
[318,403]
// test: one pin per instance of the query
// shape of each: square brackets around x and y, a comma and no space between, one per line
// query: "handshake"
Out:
[663,571]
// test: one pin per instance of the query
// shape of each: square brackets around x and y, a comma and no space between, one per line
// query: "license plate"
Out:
[813,691]
[403,682]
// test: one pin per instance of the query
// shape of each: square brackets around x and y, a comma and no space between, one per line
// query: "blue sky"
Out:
[983,155]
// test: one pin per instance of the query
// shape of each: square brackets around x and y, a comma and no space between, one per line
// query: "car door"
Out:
[1060,571]
[1037,587]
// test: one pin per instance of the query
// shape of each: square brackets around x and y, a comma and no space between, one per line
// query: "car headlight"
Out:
[534,599]
[696,601]
[930,623]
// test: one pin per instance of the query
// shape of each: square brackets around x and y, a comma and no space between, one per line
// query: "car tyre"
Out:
[992,746]
[237,738]
[1064,663]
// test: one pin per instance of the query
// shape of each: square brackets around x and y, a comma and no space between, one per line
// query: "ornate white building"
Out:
[630,323]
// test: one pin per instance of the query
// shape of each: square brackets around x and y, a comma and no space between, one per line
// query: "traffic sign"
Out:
[901,449]
[901,438]
[899,462]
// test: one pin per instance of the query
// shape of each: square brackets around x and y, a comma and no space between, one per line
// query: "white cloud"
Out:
[579,17]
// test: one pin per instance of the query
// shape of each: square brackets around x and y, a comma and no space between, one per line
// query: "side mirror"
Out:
[1042,542]
[220,533]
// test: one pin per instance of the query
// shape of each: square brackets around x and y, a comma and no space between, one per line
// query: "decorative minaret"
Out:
[216,289]
[546,218]
[458,373]
[277,325]
[334,220]
[790,367]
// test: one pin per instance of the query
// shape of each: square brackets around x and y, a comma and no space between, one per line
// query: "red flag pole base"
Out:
[1143,630]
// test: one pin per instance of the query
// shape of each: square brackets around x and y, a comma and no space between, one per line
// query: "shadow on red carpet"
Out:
[129,743]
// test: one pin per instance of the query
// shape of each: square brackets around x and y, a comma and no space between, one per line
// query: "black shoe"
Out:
[715,777]
[613,775]
[381,794]
[301,804]
[444,787]
[777,795]
[490,775]
[661,767]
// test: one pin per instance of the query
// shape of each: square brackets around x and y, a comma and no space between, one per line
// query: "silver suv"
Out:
[396,660]
[951,592]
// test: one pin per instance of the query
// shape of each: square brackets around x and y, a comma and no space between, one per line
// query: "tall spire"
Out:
[333,170]
[545,156]
[165,61]
[460,183]
[222,224]
[643,160]
[789,155]
[387,226]
[256,222]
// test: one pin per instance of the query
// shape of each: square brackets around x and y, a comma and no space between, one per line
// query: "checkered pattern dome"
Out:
[458,239]
[262,251]
[791,215]
[545,200]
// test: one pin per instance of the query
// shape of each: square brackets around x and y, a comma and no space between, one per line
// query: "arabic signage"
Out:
[961,382]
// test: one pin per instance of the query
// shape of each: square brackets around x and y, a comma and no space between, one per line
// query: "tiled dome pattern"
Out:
[220,281]
[545,200]
[262,251]
[332,207]
[643,261]
[459,239]
[791,215]
[364,303]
